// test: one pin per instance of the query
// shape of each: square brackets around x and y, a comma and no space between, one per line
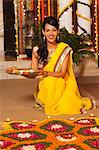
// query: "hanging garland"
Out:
[39,17]
[16,23]
[21,20]
[42,6]
[49,8]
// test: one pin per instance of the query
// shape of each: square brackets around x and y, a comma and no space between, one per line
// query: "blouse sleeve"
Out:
[35,49]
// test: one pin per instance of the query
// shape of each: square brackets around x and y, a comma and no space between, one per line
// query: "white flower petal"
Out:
[24,135]
[65,140]
[23,125]
[56,126]
[29,147]
[84,121]
[94,129]
[1,143]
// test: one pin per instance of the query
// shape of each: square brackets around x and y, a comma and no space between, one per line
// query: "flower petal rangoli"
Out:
[93,143]
[51,134]
[67,137]
[92,131]
[20,125]
[86,121]
[5,143]
[69,147]
[57,126]
[34,146]
[26,135]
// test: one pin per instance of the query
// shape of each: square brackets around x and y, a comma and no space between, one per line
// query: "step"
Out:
[89,68]
[20,64]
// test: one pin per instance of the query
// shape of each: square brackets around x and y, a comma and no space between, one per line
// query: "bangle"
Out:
[46,73]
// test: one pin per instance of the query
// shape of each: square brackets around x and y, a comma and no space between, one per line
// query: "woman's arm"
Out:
[34,63]
[57,74]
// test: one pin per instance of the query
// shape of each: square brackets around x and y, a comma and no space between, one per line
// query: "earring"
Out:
[58,38]
[43,38]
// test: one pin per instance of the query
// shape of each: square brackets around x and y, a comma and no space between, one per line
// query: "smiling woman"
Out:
[53,62]
[50,33]
[57,89]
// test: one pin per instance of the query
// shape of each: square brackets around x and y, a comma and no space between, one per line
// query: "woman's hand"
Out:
[42,72]
[12,70]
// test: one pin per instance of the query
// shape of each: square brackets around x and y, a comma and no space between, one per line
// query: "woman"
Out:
[57,90]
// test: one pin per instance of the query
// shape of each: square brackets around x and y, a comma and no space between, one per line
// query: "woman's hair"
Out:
[42,51]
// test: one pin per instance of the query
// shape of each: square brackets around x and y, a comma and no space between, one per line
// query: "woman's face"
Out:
[50,33]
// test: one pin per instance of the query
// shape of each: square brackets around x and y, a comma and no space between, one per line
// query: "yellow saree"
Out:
[61,95]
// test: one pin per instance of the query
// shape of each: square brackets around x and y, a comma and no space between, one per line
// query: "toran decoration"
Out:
[21,32]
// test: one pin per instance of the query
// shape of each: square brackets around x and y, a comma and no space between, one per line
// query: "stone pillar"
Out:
[9,29]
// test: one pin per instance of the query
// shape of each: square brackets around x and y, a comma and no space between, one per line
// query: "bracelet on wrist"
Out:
[46,73]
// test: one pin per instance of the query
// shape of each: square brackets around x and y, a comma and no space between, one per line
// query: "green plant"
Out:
[37,32]
[76,42]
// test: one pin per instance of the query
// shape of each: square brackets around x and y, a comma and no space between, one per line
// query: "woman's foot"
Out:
[37,106]
[83,111]
[95,105]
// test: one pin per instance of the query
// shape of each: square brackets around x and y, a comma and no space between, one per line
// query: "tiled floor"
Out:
[16,93]
[5,64]
[87,69]
[16,99]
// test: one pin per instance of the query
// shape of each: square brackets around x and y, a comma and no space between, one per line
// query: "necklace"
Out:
[51,51]
[50,54]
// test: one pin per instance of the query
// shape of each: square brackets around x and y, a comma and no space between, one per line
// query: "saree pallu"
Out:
[61,95]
